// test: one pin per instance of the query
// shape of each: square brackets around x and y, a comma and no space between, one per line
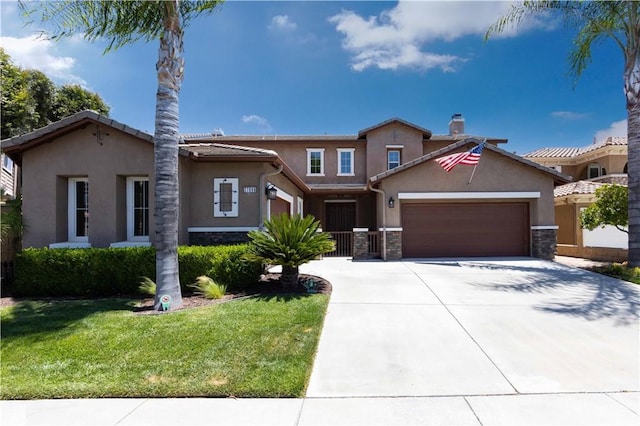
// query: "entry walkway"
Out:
[434,342]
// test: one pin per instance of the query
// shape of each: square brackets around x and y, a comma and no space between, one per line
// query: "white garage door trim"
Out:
[466,195]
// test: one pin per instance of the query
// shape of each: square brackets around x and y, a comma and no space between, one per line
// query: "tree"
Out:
[30,100]
[595,21]
[290,242]
[610,208]
[72,98]
[126,22]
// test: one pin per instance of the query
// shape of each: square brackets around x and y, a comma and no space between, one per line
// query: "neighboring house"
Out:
[592,166]
[377,191]
[8,176]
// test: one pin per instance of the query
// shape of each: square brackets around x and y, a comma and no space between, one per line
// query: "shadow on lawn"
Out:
[45,316]
[586,294]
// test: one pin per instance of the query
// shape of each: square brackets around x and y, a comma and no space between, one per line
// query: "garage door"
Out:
[469,229]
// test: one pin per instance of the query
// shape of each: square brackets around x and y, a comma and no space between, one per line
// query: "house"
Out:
[592,166]
[377,191]
[7,177]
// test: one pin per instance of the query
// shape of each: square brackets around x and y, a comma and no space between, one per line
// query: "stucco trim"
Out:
[121,244]
[543,227]
[466,195]
[69,244]
[221,228]
[396,229]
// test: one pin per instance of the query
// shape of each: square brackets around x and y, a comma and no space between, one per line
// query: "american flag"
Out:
[471,157]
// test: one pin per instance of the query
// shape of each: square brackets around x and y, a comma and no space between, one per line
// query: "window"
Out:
[315,162]
[137,209]
[7,163]
[79,209]
[393,159]
[225,197]
[345,161]
[300,207]
[594,171]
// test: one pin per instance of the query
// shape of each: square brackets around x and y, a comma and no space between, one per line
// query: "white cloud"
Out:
[259,121]
[617,128]
[397,37]
[35,52]
[283,23]
[569,115]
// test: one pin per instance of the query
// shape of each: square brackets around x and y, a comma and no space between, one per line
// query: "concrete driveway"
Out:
[468,341]
[446,342]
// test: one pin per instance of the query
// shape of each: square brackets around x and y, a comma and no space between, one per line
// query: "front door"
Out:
[340,219]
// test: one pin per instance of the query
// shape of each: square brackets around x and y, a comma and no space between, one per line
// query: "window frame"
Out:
[594,166]
[217,182]
[72,208]
[389,151]
[310,151]
[7,163]
[300,206]
[131,180]
[351,152]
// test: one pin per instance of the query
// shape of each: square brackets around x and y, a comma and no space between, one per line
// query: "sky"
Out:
[316,67]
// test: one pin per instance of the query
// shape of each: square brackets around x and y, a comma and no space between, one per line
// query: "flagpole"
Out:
[471,178]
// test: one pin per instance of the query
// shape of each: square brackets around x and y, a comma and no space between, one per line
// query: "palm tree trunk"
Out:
[289,276]
[632,92]
[170,69]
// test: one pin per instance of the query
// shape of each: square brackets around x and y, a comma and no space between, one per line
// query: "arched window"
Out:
[594,170]
[625,170]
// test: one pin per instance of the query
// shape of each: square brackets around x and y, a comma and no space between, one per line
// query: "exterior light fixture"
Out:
[391,202]
[271,192]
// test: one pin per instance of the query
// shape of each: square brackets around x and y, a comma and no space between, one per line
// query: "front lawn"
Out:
[259,347]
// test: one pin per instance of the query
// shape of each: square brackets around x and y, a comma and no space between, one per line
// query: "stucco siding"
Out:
[104,163]
[394,134]
[495,173]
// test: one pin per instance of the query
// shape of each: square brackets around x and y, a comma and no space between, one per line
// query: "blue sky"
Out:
[314,67]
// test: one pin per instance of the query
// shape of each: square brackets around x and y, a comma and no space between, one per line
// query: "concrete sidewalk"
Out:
[434,342]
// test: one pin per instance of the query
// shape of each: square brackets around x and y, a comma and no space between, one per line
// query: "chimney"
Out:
[456,125]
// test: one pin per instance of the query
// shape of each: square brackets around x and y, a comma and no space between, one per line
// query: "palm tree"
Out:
[126,22]
[596,21]
[290,242]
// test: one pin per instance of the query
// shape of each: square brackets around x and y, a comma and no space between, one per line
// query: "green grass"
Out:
[261,347]
[620,271]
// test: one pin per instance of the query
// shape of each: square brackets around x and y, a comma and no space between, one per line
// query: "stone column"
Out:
[360,243]
[543,241]
[394,243]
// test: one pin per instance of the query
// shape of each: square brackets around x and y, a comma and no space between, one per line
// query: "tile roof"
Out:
[579,187]
[218,149]
[568,152]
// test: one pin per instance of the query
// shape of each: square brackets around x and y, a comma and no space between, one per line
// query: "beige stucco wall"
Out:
[294,153]
[47,168]
[200,188]
[392,134]
[495,173]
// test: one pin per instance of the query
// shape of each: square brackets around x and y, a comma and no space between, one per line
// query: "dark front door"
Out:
[340,216]
[340,219]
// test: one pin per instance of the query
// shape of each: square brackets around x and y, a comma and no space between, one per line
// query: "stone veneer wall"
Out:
[360,244]
[394,245]
[217,238]
[543,243]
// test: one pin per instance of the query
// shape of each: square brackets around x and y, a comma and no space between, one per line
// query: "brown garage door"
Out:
[469,229]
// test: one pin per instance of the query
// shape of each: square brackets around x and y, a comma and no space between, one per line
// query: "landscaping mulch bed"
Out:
[269,285]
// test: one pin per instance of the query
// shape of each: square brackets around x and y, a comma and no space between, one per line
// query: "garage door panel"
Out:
[469,229]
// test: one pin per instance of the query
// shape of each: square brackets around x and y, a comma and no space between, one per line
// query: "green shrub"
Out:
[147,286]
[117,271]
[208,288]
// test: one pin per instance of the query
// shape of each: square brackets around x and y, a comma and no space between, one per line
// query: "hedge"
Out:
[97,272]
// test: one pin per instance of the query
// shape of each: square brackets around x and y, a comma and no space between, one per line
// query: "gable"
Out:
[466,144]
